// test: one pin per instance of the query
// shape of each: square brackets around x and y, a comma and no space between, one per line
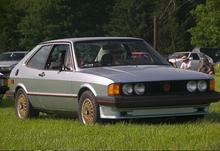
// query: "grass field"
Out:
[62,133]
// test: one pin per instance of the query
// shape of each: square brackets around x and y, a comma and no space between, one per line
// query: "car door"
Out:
[53,86]
[195,61]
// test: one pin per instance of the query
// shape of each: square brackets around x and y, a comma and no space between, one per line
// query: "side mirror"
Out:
[63,67]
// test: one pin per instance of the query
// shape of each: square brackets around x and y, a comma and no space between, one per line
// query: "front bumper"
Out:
[159,100]
[109,112]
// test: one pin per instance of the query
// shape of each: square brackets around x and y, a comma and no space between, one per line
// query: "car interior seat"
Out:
[57,64]
[106,60]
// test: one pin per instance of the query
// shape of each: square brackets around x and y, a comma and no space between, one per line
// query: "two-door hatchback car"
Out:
[107,78]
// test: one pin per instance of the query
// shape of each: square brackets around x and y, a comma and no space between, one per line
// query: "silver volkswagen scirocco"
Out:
[107,78]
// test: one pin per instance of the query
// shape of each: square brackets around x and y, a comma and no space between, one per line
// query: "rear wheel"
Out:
[88,109]
[23,106]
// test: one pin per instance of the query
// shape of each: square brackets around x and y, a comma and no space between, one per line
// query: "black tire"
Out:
[192,117]
[23,108]
[1,98]
[197,117]
[88,109]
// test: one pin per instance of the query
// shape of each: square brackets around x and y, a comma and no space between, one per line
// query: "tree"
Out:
[174,21]
[54,19]
[206,33]
[9,18]
[131,18]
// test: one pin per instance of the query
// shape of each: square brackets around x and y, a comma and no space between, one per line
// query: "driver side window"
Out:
[60,58]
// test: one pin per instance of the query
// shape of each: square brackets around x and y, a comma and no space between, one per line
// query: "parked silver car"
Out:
[196,59]
[8,60]
[107,78]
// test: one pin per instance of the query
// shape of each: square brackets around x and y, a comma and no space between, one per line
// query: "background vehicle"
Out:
[3,86]
[8,60]
[214,53]
[196,59]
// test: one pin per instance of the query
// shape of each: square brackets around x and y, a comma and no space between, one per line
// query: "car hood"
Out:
[7,63]
[145,73]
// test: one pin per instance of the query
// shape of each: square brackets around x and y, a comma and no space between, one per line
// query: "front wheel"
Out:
[88,109]
[23,106]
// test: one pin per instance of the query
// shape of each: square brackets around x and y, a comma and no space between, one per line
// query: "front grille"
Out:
[157,88]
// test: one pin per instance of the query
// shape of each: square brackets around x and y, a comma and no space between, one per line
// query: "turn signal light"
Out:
[212,85]
[113,89]
[8,82]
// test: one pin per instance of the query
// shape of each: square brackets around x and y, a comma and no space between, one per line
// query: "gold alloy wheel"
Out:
[87,111]
[22,106]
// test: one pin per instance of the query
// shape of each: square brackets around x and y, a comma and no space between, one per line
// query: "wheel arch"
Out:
[20,86]
[86,87]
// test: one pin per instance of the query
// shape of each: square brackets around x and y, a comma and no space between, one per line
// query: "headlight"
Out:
[202,85]
[139,88]
[127,89]
[191,86]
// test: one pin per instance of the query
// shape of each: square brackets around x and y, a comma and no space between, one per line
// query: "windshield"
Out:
[11,56]
[115,53]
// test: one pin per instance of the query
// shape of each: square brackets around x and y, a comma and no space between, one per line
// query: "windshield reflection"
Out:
[115,53]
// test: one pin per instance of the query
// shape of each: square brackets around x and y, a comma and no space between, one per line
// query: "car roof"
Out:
[90,38]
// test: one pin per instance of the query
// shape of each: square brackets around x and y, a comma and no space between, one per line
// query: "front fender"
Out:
[21,86]
[87,86]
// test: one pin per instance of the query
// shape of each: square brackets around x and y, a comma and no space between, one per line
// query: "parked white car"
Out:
[195,58]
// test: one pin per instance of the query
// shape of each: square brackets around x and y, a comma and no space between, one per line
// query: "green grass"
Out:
[217,69]
[62,133]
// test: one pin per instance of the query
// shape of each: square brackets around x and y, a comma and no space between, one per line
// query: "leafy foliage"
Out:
[10,15]
[25,23]
[206,33]
[130,18]
[54,19]
[174,21]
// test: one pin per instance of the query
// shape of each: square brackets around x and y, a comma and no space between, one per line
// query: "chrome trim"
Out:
[52,94]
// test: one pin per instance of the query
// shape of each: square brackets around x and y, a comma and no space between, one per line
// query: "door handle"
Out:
[41,74]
